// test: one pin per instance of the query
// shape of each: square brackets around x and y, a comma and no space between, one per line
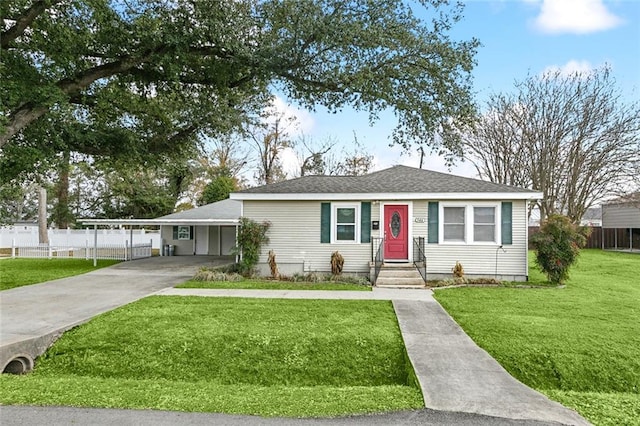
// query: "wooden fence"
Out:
[607,238]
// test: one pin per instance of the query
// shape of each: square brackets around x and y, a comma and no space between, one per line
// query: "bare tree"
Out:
[312,157]
[353,162]
[269,139]
[571,137]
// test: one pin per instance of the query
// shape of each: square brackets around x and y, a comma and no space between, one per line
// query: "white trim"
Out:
[356,205]
[469,223]
[221,222]
[399,196]
[383,225]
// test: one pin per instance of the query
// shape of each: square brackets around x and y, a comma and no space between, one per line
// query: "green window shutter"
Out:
[365,222]
[325,222]
[432,233]
[175,233]
[507,223]
[191,232]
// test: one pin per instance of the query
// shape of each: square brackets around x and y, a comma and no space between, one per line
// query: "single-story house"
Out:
[393,215]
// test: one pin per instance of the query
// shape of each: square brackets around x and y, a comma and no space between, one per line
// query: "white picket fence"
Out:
[103,251]
[27,236]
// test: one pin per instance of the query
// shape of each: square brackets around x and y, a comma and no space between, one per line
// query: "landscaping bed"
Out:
[579,344]
[268,357]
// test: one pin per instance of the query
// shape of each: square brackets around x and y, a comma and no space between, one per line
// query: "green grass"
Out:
[274,285]
[580,345]
[19,272]
[269,357]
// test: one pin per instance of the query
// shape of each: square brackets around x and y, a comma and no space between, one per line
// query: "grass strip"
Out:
[288,401]
[20,272]
[273,285]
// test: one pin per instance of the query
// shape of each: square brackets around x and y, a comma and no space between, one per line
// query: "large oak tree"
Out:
[139,78]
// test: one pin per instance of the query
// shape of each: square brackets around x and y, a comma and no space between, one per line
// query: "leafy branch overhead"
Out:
[135,74]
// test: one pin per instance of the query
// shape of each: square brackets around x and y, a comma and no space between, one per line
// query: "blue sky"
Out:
[519,38]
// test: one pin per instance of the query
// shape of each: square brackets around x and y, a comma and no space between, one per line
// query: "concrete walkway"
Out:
[34,316]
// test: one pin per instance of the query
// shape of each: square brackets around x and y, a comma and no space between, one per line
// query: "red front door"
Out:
[396,232]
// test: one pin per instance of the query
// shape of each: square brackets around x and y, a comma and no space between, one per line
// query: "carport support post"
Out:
[95,244]
[630,239]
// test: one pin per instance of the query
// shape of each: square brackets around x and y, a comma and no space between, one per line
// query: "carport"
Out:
[209,230]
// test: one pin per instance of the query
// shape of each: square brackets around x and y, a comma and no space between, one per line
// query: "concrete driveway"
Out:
[34,316]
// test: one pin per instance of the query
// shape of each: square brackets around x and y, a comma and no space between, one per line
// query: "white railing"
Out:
[102,251]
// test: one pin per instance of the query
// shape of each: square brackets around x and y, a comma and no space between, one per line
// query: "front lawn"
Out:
[268,357]
[19,272]
[580,345]
[274,285]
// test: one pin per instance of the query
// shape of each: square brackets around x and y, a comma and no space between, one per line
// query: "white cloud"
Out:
[304,122]
[575,16]
[570,68]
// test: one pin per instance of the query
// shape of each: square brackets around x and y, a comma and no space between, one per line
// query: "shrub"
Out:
[206,274]
[557,246]
[337,263]
[251,236]
[458,270]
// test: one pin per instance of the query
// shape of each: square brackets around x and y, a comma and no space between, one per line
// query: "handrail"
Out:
[419,257]
[376,256]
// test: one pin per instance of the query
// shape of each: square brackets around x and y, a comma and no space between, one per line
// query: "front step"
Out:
[399,275]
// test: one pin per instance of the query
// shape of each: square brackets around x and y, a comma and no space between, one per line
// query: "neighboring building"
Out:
[394,212]
[623,216]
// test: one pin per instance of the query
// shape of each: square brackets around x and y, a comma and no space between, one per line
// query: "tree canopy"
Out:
[140,78]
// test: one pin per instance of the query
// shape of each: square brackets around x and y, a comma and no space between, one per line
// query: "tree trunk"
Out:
[43,236]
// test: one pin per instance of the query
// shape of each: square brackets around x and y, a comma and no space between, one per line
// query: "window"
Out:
[473,222]
[454,224]
[184,232]
[484,224]
[345,224]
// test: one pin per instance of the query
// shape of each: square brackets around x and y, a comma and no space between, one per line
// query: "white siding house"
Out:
[398,210]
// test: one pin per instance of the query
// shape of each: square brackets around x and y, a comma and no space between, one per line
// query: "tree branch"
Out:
[24,21]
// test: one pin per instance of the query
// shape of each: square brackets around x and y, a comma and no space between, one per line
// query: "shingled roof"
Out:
[394,180]
[220,210]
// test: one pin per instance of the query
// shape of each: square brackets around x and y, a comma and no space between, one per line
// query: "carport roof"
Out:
[225,212]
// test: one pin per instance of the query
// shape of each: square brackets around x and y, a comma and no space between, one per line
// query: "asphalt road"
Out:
[35,416]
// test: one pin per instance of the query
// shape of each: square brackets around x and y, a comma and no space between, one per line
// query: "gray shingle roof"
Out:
[222,210]
[397,179]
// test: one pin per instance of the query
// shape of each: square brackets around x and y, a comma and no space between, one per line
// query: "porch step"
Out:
[399,275]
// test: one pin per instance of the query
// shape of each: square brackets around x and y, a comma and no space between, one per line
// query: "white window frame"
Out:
[466,224]
[469,223]
[334,222]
